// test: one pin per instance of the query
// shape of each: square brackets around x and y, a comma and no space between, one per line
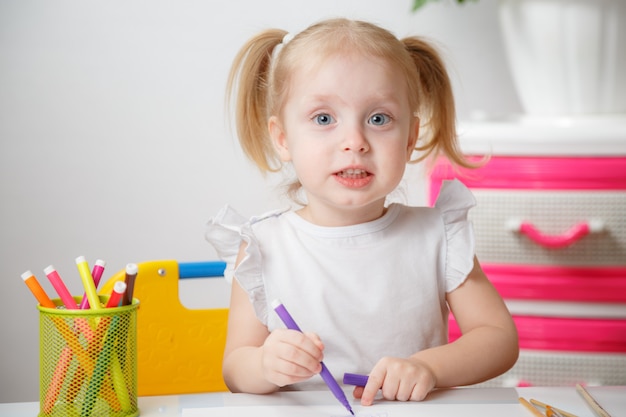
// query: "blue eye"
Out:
[323,119]
[379,119]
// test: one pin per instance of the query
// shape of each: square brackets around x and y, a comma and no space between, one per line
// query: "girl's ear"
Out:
[279,138]
[413,135]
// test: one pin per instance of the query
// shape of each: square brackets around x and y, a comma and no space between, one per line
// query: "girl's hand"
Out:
[289,356]
[399,379]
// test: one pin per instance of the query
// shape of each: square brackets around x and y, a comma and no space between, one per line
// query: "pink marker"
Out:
[61,289]
[98,270]
[119,288]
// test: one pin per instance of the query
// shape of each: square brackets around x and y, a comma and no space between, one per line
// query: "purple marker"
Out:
[355,379]
[325,374]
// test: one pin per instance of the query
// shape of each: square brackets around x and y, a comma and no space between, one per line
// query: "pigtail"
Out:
[436,105]
[248,84]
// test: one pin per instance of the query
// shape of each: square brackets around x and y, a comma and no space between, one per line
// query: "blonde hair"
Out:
[259,82]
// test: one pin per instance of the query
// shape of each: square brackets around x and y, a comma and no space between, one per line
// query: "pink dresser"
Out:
[550,227]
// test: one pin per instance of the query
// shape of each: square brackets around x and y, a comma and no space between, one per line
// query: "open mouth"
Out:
[351,173]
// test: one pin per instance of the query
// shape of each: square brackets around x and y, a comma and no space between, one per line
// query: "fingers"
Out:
[374,383]
[290,356]
[316,340]
[398,379]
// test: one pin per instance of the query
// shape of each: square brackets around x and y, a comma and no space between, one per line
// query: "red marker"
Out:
[119,288]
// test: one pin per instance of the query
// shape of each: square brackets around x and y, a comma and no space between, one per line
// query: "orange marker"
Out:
[66,356]
[58,377]
[37,290]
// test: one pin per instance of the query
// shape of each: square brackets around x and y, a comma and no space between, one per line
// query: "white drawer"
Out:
[552,213]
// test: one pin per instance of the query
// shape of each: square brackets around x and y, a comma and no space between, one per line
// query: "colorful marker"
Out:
[131,275]
[37,290]
[100,371]
[66,355]
[325,374]
[61,289]
[96,273]
[117,375]
[355,379]
[66,297]
[73,344]
[98,343]
[58,377]
[119,288]
[119,384]
[88,283]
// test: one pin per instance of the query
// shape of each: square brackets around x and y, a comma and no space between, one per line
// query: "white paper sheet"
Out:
[444,403]
[383,410]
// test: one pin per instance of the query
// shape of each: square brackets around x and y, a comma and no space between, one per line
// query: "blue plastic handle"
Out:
[207,269]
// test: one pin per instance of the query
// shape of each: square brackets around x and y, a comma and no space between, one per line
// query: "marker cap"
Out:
[27,275]
[131,269]
[119,287]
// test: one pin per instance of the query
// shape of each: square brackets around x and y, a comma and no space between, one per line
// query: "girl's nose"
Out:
[355,141]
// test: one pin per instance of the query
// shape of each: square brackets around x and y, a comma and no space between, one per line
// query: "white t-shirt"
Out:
[368,290]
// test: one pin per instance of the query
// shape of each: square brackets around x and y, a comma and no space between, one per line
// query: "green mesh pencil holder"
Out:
[88,361]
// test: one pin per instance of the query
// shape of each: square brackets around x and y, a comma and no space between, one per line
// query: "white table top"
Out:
[464,402]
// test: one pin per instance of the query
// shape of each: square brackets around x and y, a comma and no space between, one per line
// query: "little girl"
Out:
[347,105]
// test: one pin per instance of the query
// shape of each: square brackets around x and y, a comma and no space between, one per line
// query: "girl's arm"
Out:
[487,348]
[257,361]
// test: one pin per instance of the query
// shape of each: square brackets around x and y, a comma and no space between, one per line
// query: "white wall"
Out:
[113,136]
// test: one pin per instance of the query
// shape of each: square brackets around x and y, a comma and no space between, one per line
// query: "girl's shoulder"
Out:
[454,202]
[452,205]
[454,196]
[228,230]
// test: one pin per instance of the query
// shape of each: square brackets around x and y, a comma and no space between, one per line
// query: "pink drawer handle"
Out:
[571,236]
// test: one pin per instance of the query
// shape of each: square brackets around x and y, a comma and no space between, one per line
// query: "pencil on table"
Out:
[595,406]
[558,410]
[530,407]
[553,412]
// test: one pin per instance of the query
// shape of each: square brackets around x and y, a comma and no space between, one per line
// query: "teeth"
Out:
[350,172]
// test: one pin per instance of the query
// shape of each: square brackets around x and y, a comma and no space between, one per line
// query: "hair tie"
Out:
[287,38]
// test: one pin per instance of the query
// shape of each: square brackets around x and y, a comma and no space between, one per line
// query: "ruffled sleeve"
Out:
[227,231]
[454,202]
